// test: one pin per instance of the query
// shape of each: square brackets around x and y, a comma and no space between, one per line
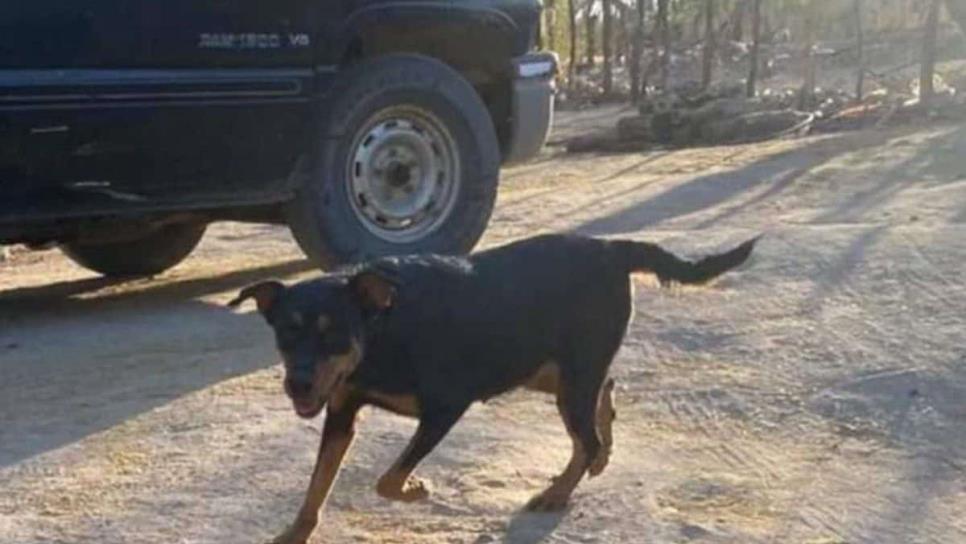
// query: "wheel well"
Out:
[485,64]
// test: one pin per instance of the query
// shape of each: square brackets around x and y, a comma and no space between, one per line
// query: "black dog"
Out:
[426,336]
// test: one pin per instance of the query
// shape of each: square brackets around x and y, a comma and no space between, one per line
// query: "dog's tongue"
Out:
[304,408]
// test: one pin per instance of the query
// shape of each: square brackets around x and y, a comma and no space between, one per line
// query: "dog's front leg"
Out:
[398,483]
[337,436]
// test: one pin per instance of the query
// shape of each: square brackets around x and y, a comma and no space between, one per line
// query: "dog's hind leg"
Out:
[606,414]
[398,483]
[577,398]
[547,380]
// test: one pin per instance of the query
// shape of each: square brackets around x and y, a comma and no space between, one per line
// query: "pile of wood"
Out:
[883,109]
[713,117]
[722,115]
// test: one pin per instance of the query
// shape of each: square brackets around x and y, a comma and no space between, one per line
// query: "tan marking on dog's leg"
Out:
[398,483]
[404,405]
[556,496]
[546,379]
[606,414]
[336,438]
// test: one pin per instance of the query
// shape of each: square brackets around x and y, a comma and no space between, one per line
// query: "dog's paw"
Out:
[549,500]
[599,463]
[415,489]
[412,490]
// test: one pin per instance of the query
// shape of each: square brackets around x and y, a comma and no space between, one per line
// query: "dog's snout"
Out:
[299,388]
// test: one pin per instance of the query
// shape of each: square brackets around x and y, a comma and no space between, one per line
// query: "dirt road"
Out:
[816,396]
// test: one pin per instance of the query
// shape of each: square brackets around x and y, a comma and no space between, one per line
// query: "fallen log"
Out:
[757,126]
[605,143]
[723,108]
[716,92]
[637,127]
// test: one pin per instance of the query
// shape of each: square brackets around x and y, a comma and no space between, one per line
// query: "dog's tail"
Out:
[647,257]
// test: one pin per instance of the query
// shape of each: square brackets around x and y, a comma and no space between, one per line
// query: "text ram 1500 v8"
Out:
[370,127]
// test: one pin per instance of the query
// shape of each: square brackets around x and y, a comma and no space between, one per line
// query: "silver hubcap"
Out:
[403,174]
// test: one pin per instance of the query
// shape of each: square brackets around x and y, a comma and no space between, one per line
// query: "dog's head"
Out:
[320,330]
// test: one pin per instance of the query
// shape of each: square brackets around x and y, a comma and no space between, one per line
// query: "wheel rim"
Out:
[403,174]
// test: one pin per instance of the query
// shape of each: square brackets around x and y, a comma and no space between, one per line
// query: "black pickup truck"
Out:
[370,127]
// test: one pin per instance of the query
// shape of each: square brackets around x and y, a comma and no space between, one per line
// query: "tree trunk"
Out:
[708,61]
[606,46]
[572,65]
[806,95]
[738,21]
[694,32]
[550,16]
[859,51]
[637,51]
[957,12]
[928,68]
[752,82]
[591,35]
[665,40]
[620,39]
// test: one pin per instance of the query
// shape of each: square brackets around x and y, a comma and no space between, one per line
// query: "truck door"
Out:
[156,99]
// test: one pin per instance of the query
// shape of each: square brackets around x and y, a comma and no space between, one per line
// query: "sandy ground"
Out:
[816,396]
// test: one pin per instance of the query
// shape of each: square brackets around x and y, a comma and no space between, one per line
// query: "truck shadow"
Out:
[96,294]
[80,357]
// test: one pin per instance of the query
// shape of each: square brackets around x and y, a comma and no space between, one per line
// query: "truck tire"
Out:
[408,162]
[144,256]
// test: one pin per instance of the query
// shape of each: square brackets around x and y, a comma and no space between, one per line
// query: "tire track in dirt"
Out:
[710,413]
[826,522]
[832,525]
[605,189]
[874,338]
[938,276]
[838,283]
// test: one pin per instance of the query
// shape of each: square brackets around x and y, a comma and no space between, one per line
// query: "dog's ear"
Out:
[264,293]
[374,291]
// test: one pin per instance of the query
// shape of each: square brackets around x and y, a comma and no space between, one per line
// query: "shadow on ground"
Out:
[531,528]
[934,163]
[80,357]
[101,294]
[712,190]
